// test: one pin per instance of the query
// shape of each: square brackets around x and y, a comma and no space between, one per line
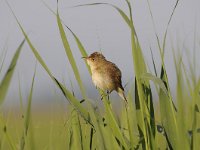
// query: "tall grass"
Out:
[139,126]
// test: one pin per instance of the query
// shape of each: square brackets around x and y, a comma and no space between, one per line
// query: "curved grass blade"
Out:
[194,138]
[143,99]
[181,101]
[171,130]
[98,124]
[78,42]
[8,76]
[124,16]
[154,65]
[113,123]
[195,108]
[81,47]
[20,98]
[77,133]
[162,49]
[130,117]
[156,80]
[166,31]
[6,135]
[27,115]
[2,58]
[154,27]
[167,104]
[169,120]
[70,55]
[68,95]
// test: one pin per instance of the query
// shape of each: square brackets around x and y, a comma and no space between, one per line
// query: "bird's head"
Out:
[94,59]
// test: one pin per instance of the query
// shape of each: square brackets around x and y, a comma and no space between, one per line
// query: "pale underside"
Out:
[103,81]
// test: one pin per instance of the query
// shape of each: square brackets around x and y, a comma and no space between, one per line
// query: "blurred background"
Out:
[99,28]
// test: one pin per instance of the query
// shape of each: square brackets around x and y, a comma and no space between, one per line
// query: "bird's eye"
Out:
[93,59]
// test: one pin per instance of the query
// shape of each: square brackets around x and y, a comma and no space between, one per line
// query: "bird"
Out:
[105,74]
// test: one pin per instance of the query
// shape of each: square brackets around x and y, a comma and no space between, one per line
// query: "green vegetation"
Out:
[142,124]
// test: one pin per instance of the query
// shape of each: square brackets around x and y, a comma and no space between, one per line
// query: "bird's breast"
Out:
[102,81]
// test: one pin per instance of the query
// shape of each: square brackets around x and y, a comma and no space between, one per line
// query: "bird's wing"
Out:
[116,74]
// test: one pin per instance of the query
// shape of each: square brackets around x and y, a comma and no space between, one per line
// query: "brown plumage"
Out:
[105,74]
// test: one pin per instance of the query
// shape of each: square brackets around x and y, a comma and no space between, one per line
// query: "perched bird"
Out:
[105,74]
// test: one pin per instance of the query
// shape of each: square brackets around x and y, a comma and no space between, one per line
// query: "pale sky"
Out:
[98,27]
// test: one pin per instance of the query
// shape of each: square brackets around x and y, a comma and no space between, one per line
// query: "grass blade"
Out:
[2,58]
[78,42]
[113,123]
[156,80]
[168,119]
[144,103]
[124,16]
[6,135]
[180,97]
[8,76]
[70,55]
[69,96]
[76,130]
[27,115]
[131,118]
[81,48]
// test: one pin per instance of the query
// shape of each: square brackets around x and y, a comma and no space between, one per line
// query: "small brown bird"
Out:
[105,74]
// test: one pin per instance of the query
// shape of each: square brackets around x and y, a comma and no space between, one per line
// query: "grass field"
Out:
[142,124]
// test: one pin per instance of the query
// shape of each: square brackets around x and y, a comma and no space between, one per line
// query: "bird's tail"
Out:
[120,91]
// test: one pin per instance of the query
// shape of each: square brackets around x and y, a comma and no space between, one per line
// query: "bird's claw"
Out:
[107,94]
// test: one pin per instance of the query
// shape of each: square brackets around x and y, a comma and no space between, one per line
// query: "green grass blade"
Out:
[123,15]
[195,111]
[166,31]
[180,94]
[161,49]
[69,96]
[154,27]
[81,48]
[2,59]
[168,119]
[8,76]
[6,135]
[27,115]
[166,103]
[98,127]
[131,117]
[70,55]
[194,138]
[20,97]
[87,136]
[156,80]
[78,42]
[113,123]
[77,133]
[154,65]
[143,99]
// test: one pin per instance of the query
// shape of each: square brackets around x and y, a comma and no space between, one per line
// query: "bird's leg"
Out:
[108,94]
[102,95]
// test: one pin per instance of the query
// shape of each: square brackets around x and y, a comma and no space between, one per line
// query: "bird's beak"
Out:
[84,57]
